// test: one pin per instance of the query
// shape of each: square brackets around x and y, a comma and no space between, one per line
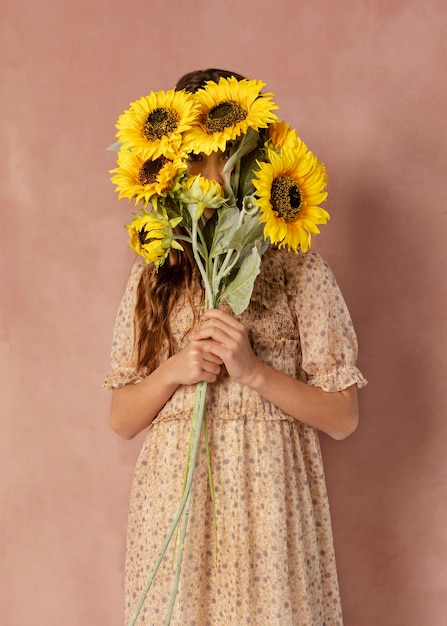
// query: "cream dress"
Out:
[266,557]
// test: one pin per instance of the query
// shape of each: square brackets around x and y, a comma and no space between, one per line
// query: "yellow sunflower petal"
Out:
[228,109]
[282,134]
[151,236]
[154,125]
[141,179]
[289,186]
[200,189]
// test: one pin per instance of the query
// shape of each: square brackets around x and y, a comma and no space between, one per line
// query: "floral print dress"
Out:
[263,553]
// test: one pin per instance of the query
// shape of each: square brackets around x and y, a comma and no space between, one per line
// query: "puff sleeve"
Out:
[328,340]
[123,346]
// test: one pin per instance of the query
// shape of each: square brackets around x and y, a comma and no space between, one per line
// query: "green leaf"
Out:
[226,226]
[248,232]
[209,229]
[249,165]
[249,141]
[238,292]
[115,147]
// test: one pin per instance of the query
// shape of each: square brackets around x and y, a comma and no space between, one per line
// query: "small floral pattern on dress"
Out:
[268,559]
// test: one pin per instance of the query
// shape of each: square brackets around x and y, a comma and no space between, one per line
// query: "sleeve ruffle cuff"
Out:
[122,376]
[338,380]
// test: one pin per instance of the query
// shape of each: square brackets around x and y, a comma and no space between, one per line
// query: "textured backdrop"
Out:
[364,84]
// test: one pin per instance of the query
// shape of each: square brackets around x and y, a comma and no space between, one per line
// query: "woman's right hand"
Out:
[193,364]
[134,406]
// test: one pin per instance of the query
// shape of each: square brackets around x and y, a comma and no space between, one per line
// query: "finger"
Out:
[214,331]
[213,367]
[209,370]
[222,316]
[205,350]
[211,356]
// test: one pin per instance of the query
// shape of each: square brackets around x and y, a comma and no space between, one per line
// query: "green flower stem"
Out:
[182,238]
[200,247]
[228,189]
[215,283]
[198,419]
[236,177]
[185,480]
[208,290]
[228,263]
[210,478]
[199,411]
[179,560]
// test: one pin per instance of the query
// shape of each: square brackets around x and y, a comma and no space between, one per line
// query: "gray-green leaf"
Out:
[225,228]
[238,292]
[115,147]
[249,231]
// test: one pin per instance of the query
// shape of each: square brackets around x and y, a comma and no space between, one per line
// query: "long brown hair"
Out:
[158,291]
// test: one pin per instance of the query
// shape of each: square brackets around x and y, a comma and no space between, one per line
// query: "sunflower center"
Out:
[150,170]
[286,198]
[142,236]
[223,115]
[160,122]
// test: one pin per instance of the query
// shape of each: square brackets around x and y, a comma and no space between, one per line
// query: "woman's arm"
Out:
[134,406]
[336,413]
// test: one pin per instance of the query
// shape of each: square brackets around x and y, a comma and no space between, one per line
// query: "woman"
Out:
[277,374]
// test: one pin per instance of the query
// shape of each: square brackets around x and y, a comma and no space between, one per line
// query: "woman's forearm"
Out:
[334,413]
[134,406]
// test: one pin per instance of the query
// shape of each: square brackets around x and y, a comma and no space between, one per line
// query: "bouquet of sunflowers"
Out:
[272,189]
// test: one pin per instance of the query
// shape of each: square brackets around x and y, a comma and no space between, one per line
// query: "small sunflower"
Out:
[154,124]
[151,236]
[228,109]
[142,178]
[289,188]
[282,134]
[203,192]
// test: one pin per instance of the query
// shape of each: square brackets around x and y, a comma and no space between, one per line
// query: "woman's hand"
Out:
[223,340]
[334,413]
[196,362]
[135,406]
[226,338]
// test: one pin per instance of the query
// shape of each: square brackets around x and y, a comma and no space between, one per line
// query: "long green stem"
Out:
[208,290]
[210,479]
[185,480]
[236,176]
[203,245]
[199,411]
[199,252]
[200,247]
[226,265]
[179,560]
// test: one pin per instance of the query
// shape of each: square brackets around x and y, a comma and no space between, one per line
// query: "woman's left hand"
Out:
[335,413]
[231,344]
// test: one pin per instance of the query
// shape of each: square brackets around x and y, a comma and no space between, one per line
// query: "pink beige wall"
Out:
[364,82]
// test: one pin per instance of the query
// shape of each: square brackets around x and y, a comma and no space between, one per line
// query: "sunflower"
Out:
[228,109]
[289,188]
[142,178]
[203,192]
[151,236]
[154,124]
[282,134]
